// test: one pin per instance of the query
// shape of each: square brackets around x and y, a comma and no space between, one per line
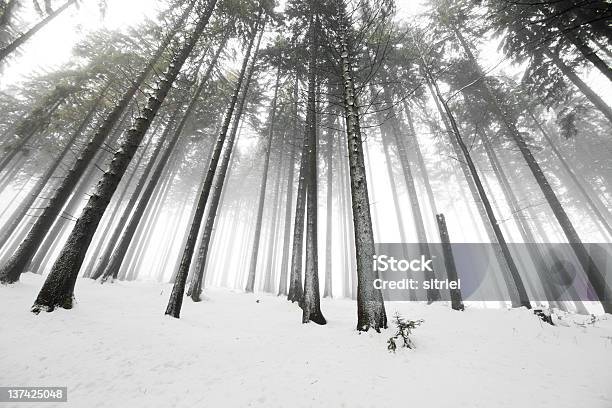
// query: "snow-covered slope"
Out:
[117,349]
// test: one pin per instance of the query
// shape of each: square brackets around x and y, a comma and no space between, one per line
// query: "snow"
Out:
[117,349]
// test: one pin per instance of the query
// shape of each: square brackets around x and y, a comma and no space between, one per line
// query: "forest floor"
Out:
[117,349]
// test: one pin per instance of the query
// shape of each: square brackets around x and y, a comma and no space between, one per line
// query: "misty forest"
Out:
[267,147]
[234,165]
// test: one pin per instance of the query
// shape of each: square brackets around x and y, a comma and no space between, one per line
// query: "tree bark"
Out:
[311,303]
[370,305]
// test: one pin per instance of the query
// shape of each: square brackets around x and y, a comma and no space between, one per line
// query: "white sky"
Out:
[52,46]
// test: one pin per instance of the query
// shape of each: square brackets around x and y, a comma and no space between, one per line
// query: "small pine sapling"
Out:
[404,329]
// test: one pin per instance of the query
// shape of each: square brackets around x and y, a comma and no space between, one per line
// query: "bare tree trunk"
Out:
[370,305]
[311,303]
[328,292]
[262,190]
[449,262]
[112,264]
[501,257]
[273,236]
[282,286]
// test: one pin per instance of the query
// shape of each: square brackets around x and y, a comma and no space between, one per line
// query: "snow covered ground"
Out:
[117,349]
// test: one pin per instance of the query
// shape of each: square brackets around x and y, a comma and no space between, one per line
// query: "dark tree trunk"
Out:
[503,258]
[59,287]
[370,305]
[449,262]
[250,285]
[328,290]
[282,286]
[176,297]
[311,302]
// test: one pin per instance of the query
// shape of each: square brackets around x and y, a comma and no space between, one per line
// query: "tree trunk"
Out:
[311,303]
[328,290]
[176,297]
[499,256]
[115,252]
[282,286]
[370,305]
[595,99]
[449,262]
[262,191]
[59,286]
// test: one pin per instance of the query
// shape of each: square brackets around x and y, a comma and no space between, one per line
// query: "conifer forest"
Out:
[312,203]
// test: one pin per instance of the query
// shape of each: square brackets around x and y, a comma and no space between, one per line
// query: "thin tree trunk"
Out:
[595,99]
[449,262]
[329,207]
[501,257]
[269,278]
[282,286]
[579,183]
[262,190]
